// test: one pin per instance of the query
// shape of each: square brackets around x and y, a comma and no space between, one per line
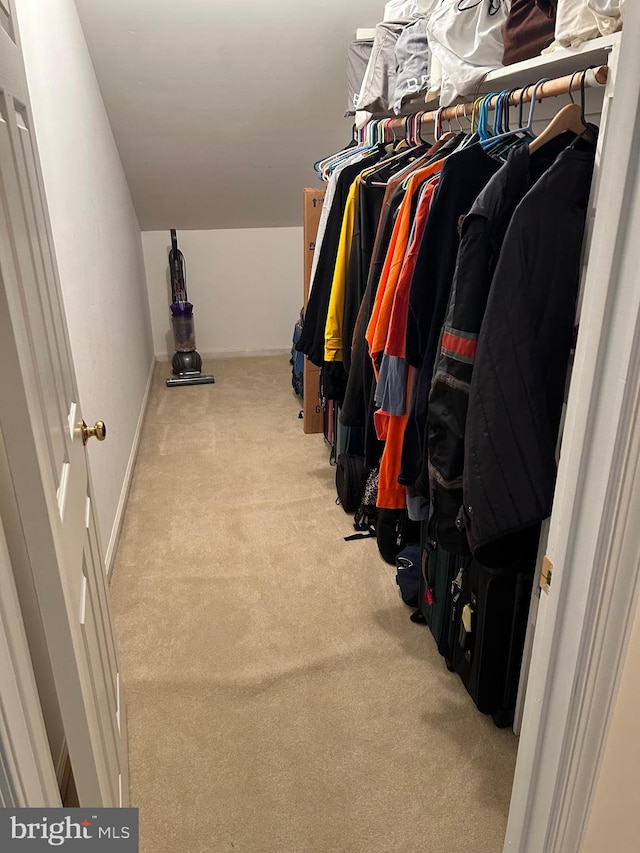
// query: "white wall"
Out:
[220,108]
[97,241]
[245,284]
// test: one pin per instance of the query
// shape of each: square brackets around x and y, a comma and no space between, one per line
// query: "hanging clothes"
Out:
[464,175]
[360,376]
[482,235]
[311,341]
[361,380]
[329,195]
[392,391]
[457,345]
[335,312]
[518,383]
[357,235]
[370,203]
[359,405]
[391,494]
[379,322]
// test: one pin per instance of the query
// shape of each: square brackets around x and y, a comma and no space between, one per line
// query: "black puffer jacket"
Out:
[518,382]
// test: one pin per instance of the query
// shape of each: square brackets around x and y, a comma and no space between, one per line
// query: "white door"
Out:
[40,420]
[584,619]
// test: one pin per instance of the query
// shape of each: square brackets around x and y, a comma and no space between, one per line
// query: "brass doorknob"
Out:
[98,430]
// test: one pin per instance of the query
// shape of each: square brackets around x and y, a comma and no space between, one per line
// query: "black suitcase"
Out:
[489,622]
[437,591]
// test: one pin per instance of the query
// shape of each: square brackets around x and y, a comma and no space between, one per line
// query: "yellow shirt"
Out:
[335,316]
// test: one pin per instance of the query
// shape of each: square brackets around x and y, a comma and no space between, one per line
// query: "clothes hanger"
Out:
[505,124]
[467,136]
[409,130]
[439,134]
[483,116]
[457,117]
[326,165]
[498,127]
[507,117]
[472,136]
[474,118]
[570,118]
[438,124]
[408,157]
[421,152]
[408,122]
[590,128]
[419,117]
[416,127]
[352,146]
[499,145]
[358,145]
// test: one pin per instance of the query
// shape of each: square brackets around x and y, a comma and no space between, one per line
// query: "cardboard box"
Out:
[313,200]
[312,404]
[312,408]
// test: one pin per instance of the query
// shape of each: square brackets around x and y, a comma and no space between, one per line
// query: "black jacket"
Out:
[518,383]
[482,235]
[463,175]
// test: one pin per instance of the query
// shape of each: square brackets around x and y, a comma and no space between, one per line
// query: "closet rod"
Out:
[550,89]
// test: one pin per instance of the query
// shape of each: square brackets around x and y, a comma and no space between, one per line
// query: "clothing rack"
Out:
[548,89]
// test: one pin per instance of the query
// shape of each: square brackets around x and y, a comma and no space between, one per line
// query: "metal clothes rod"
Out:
[550,89]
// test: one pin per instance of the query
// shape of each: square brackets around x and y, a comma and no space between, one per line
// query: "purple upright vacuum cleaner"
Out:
[186,363]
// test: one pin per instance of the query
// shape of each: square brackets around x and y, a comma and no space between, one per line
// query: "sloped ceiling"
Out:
[220,108]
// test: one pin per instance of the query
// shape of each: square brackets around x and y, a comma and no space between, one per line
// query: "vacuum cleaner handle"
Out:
[176,268]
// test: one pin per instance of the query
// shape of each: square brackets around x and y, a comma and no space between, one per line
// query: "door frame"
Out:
[27,772]
[50,482]
[583,621]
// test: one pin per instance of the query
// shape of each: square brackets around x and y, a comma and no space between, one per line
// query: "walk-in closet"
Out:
[319,436]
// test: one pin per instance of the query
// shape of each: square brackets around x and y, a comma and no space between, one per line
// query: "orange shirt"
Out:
[377,329]
[390,428]
[391,494]
[396,337]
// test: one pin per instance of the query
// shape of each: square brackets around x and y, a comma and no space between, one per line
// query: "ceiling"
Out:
[220,108]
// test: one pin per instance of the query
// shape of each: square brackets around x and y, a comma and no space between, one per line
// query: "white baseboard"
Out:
[233,353]
[124,494]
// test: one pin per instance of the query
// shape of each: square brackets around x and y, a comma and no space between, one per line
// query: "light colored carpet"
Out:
[280,700]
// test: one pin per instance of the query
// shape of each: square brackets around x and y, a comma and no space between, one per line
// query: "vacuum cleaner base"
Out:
[187,370]
[192,378]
